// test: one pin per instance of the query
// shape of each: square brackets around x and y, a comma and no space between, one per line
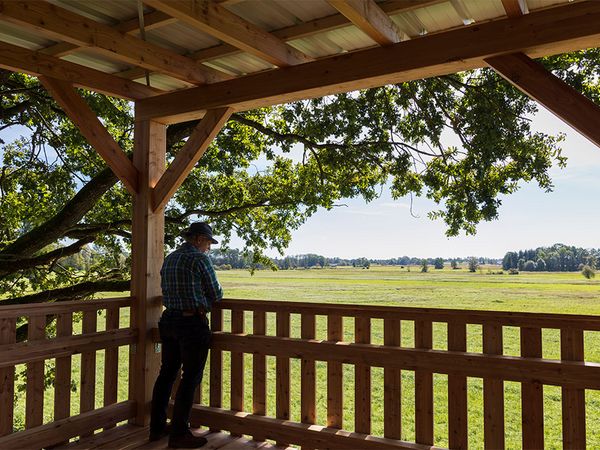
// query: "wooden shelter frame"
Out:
[507,44]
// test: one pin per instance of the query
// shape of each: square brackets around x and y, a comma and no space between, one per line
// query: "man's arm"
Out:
[210,285]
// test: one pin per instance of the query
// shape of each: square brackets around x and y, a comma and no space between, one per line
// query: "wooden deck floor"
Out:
[129,437]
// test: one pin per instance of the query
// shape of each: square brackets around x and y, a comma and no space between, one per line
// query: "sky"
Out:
[527,219]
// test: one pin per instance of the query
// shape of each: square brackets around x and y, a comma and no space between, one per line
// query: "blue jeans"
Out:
[185,342]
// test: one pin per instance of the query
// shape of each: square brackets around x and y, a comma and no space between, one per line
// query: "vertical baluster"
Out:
[62,381]
[307,407]
[573,399]
[493,391]
[8,334]
[307,378]
[34,406]
[88,367]
[259,371]
[216,361]
[392,377]
[362,391]
[335,395]
[237,364]
[532,394]
[423,387]
[457,390]
[111,360]
[282,407]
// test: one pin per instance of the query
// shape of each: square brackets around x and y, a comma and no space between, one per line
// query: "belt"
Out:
[200,312]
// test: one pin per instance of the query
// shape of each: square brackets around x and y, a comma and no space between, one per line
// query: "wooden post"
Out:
[532,394]
[335,393]
[282,365]
[147,255]
[7,379]
[573,399]
[87,399]
[493,392]
[362,377]
[308,380]
[259,372]
[111,361]
[392,379]
[423,387]
[457,390]
[34,404]
[237,363]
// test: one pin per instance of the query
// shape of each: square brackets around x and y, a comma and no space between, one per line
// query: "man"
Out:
[190,287]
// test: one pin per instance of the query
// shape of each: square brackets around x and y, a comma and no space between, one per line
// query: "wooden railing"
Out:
[38,348]
[422,358]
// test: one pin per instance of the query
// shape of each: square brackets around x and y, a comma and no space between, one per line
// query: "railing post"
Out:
[282,408]
[88,368]
[423,387]
[216,362]
[573,399]
[34,405]
[362,396]
[8,335]
[111,360]
[457,391]
[392,378]
[335,397]
[532,394]
[259,372]
[493,392]
[237,363]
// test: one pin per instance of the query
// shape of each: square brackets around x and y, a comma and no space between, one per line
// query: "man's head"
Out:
[199,234]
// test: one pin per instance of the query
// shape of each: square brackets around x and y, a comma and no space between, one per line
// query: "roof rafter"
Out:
[214,19]
[60,24]
[152,20]
[533,79]
[371,19]
[311,28]
[552,31]
[35,63]
[514,8]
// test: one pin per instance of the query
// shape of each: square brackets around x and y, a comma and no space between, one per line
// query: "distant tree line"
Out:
[235,259]
[557,258]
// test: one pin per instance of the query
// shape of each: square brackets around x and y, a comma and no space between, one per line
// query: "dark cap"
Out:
[199,229]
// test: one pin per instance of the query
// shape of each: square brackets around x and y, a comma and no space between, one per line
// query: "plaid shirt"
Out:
[188,280]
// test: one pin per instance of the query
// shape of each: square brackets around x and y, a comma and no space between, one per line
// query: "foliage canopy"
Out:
[267,171]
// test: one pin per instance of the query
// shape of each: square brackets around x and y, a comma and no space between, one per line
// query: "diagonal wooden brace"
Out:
[92,129]
[543,86]
[189,155]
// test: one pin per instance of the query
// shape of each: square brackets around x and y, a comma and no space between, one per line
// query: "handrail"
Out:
[505,318]
[12,311]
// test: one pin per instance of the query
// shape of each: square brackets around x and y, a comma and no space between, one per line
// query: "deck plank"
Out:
[129,437]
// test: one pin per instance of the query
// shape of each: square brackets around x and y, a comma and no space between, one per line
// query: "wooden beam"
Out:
[92,129]
[214,19]
[19,59]
[61,24]
[371,19]
[298,31]
[29,351]
[551,31]
[147,250]
[514,8]
[566,103]
[301,434]
[47,435]
[189,155]
[152,20]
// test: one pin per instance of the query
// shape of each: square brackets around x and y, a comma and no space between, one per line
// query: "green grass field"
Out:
[393,286]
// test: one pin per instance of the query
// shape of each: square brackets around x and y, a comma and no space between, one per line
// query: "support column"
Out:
[147,252]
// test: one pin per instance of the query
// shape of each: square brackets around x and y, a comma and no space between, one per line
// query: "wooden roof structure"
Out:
[205,59]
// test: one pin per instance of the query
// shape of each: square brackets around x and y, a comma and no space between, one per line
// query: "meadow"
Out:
[485,289]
